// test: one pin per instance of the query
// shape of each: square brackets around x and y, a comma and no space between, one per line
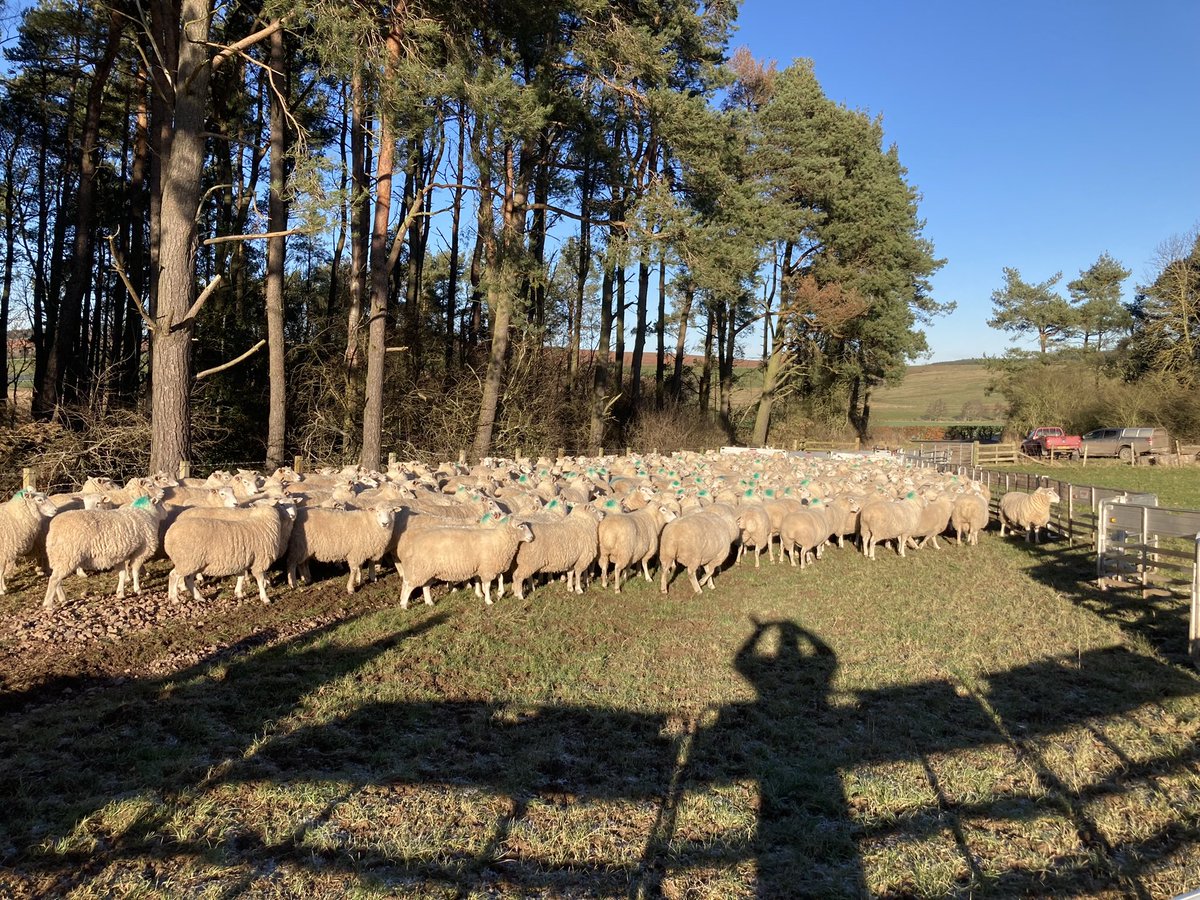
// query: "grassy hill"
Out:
[939,393]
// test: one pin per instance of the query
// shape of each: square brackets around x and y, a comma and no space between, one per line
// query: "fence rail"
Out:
[1134,538]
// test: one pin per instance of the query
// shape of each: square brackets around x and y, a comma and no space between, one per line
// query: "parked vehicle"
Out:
[1124,443]
[1051,441]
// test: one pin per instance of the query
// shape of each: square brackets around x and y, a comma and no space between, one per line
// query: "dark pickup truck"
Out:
[1048,441]
[1125,443]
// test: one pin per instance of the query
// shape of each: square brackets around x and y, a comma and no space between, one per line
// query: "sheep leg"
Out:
[427,596]
[617,578]
[518,585]
[696,589]
[354,579]
[757,553]
[708,578]
[603,562]
[487,591]
[239,587]
[771,550]
[121,581]
[189,584]
[173,585]
[52,590]
[405,591]
[667,569]
[933,539]
[260,577]
[646,569]
[371,570]
[3,586]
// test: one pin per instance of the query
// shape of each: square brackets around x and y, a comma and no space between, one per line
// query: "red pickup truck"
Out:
[1051,442]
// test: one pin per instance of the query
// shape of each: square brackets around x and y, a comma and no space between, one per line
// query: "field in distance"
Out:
[939,393]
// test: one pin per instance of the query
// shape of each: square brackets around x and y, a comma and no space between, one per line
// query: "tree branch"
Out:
[233,362]
[119,267]
[194,310]
[226,238]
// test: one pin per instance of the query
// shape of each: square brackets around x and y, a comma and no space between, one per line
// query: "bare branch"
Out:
[194,310]
[226,238]
[233,362]
[119,267]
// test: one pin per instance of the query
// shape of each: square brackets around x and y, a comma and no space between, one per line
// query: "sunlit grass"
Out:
[956,722]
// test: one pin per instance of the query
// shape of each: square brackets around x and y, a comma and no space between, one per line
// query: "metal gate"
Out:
[1139,541]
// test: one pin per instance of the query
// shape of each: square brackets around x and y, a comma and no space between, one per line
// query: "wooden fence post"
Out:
[28,479]
[462,457]
[298,465]
[974,453]
[185,469]
[391,460]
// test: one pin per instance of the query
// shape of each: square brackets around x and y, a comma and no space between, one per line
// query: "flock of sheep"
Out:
[456,524]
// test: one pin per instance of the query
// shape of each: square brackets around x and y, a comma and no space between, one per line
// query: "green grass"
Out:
[953,384]
[974,721]
[1174,486]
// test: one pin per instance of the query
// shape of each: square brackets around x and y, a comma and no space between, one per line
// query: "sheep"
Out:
[629,538]
[884,520]
[778,508]
[755,526]
[697,541]
[22,520]
[97,540]
[969,516]
[457,553]
[217,546]
[1028,511]
[842,513]
[934,519]
[333,535]
[568,544]
[806,529]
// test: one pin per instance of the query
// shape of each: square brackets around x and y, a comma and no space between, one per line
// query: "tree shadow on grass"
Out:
[462,796]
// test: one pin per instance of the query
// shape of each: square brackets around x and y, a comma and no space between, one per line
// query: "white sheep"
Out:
[561,544]
[336,535]
[630,538]
[1030,512]
[806,529]
[969,516]
[22,520]
[887,520]
[457,553]
[755,526]
[699,541]
[934,519]
[229,542]
[96,540]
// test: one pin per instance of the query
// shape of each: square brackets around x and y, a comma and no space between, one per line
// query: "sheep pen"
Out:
[948,720]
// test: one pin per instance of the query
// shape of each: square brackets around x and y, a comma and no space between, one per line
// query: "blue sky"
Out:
[1040,134]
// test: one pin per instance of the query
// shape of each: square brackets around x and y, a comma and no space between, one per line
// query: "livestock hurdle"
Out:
[1132,535]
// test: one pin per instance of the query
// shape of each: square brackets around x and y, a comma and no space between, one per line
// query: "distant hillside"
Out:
[943,392]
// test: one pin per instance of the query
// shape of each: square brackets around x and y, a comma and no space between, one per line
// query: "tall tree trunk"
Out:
[171,436]
[455,221]
[502,286]
[766,399]
[339,245]
[372,439]
[277,218]
[618,377]
[584,268]
[639,336]
[136,255]
[685,312]
[728,337]
[706,370]
[10,252]
[660,333]
[360,236]
[600,363]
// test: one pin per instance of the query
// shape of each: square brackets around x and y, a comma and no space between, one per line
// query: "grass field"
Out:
[1178,487]
[954,384]
[965,722]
